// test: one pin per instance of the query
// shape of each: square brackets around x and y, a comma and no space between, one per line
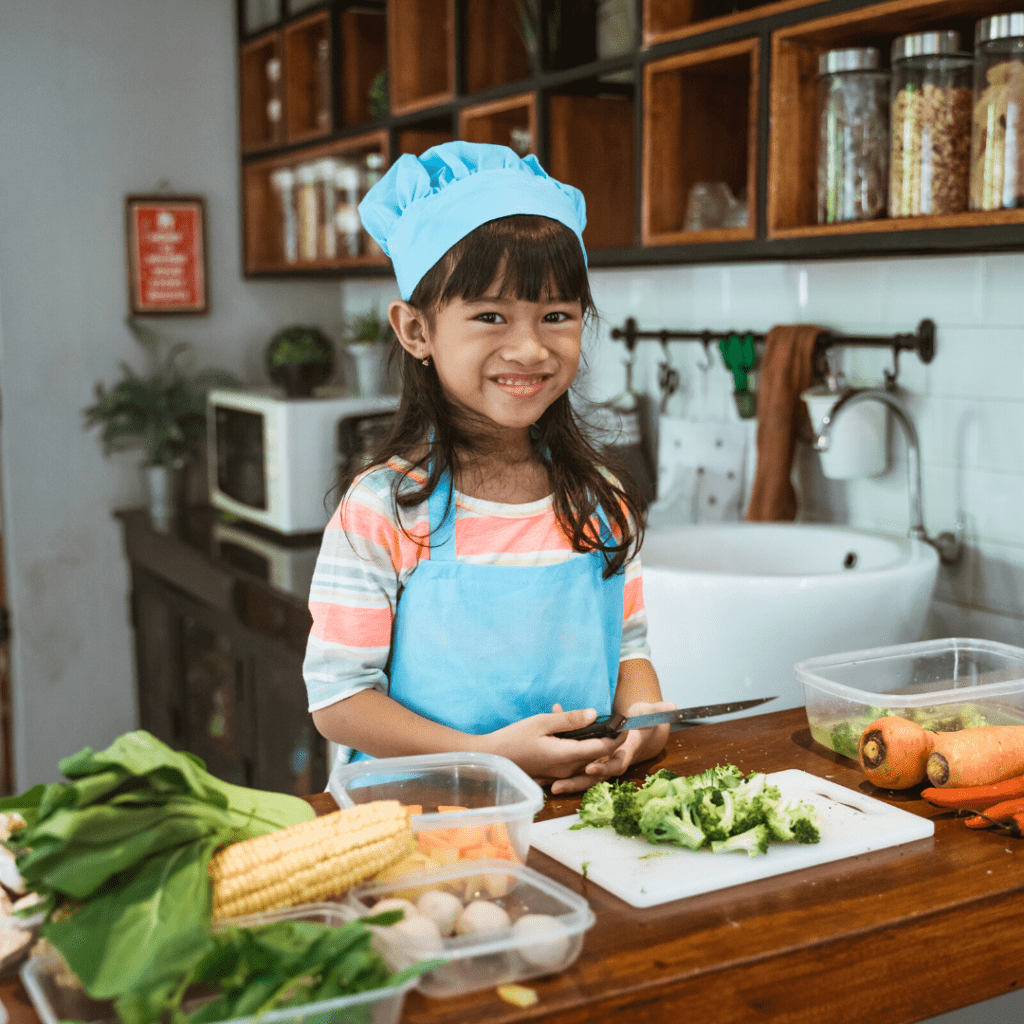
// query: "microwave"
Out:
[273,460]
[286,567]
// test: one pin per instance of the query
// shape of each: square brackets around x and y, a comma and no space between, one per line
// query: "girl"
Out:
[478,588]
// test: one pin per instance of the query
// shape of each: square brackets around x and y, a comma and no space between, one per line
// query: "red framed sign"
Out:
[165,240]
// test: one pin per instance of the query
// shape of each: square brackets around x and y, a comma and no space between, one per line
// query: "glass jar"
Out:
[326,171]
[373,171]
[346,214]
[853,135]
[997,139]
[306,210]
[930,125]
[283,182]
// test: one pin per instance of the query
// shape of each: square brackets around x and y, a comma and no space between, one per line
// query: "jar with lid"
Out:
[283,182]
[306,209]
[373,171]
[853,135]
[930,125]
[997,139]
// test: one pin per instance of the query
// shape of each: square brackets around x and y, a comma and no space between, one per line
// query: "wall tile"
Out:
[946,289]
[954,620]
[1003,287]
[845,294]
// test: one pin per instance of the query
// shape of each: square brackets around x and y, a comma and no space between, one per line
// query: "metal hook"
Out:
[705,340]
[891,375]
[668,376]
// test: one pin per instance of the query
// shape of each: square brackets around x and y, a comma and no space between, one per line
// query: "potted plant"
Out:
[162,412]
[299,359]
[369,336]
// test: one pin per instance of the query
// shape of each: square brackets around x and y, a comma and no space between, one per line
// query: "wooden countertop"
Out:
[894,936]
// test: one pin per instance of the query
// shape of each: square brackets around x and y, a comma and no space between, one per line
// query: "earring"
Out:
[426,362]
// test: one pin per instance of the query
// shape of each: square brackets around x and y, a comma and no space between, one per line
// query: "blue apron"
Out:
[477,647]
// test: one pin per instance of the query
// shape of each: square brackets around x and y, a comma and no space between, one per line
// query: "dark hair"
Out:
[535,258]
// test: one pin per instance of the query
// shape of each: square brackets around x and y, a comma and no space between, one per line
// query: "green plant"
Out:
[370,328]
[299,346]
[162,412]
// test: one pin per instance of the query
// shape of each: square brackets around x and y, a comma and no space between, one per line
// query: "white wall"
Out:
[101,98]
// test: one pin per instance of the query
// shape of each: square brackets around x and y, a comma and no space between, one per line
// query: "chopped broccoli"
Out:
[790,821]
[806,831]
[754,841]
[654,787]
[661,821]
[625,809]
[845,739]
[596,808]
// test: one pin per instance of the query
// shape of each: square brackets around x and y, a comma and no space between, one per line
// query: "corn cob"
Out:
[310,861]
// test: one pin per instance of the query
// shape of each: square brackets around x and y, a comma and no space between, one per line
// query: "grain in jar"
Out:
[930,125]
[997,139]
[853,136]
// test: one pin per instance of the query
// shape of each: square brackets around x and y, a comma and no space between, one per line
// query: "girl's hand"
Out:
[532,745]
[638,745]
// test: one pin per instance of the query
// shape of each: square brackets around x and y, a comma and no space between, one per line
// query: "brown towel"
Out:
[785,372]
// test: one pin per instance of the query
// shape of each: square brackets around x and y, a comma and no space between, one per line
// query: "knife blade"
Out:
[611,725]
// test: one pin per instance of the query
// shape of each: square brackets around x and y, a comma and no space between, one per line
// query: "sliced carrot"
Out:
[467,836]
[442,855]
[434,838]
[499,833]
[414,809]
[997,813]
[505,851]
[448,808]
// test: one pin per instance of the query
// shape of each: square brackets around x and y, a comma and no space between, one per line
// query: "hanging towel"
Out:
[785,372]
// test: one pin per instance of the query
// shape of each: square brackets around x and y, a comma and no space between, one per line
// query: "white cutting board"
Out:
[645,874]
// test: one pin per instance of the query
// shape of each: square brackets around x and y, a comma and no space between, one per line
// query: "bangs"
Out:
[535,259]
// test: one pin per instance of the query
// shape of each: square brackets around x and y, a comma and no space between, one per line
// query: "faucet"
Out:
[948,545]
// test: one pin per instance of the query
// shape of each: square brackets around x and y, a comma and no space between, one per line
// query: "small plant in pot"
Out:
[299,359]
[163,412]
[369,340]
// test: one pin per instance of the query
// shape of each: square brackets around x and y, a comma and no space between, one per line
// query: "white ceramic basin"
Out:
[732,608]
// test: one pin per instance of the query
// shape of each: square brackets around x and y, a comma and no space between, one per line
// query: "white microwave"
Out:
[273,460]
[283,565]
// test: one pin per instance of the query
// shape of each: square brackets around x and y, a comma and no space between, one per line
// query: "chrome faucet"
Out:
[948,545]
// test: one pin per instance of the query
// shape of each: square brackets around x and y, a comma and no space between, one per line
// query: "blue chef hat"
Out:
[425,204]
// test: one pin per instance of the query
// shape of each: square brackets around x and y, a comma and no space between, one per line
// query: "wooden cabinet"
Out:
[219,660]
[635,102]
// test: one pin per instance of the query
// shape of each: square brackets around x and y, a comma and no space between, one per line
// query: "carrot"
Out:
[975,798]
[414,809]
[449,808]
[976,757]
[997,813]
[893,752]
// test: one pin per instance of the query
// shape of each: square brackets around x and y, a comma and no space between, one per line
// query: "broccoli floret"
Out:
[661,821]
[625,809]
[596,808]
[797,821]
[754,841]
[655,787]
[728,776]
[661,773]
[971,718]
[845,739]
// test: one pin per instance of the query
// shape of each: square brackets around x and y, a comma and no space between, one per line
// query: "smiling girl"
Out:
[481,575]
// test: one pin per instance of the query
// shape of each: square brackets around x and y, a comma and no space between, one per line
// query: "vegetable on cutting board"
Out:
[977,757]
[894,752]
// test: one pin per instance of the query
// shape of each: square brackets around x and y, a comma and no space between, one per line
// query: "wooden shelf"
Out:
[502,122]
[307,63]
[364,55]
[421,54]
[265,223]
[591,144]
[261,81]
[700,125]
[419,139]
[668,20]
[495,52]
[792,166]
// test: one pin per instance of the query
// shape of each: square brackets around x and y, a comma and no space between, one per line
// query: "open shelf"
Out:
[666,20]
[509,122]
[321,238]
[421,55]
[419,138]
[792,168]
[496,54]
[700,125]
[591,146]
[307,65]
[262,92]
[364,55]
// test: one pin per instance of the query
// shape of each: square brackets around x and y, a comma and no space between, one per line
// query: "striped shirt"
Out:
[365,560]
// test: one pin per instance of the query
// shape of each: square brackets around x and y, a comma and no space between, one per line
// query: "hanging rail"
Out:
[921,341]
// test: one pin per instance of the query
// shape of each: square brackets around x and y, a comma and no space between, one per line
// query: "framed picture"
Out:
[165,244]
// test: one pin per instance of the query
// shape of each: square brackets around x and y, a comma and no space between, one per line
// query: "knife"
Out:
[611,725]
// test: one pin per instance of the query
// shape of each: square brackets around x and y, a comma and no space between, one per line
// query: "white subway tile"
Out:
[1003,290]
[977,362]
[845,294]
[946,289]
[946,619]
[973,434]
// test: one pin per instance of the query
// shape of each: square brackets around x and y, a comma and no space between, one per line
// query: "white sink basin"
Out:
[732,608]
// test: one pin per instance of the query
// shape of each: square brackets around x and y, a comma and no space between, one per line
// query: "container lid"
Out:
[925,44]
[863,59]
[1000,26]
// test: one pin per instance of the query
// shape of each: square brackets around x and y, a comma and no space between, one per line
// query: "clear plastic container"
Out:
[283,182]
[45,976]
[485,960]
[930,125]
[307,210]
[943,684]
[997,139]
[853,136]
[498,795]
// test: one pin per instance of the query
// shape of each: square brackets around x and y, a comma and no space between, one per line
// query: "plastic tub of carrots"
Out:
[464,807]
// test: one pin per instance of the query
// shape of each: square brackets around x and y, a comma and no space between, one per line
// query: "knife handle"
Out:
[603,727]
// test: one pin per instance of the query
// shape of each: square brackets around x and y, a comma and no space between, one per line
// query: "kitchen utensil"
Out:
[612,725]
[645,875]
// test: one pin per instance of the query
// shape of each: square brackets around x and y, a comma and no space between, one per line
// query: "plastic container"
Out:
[930,125]
[489,959]
[43,973]
[853,136]
[997,139]
[496,793]
[943,684]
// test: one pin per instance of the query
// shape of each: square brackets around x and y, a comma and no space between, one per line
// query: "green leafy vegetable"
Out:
[121,855]
[844,736]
